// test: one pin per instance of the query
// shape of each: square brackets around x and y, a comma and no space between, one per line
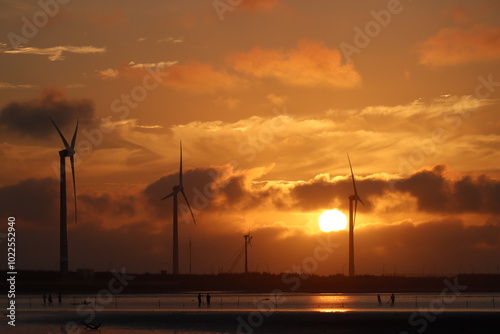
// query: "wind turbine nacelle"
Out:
[70,151]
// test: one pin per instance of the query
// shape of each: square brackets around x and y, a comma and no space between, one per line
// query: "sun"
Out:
[332,220]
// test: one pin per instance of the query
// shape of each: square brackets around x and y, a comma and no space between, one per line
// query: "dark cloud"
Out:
[31,118]
[321,194]
[445,244]
[429,187]
[116,205]
[32,201]
[435,193]
[198,185]
[433,189]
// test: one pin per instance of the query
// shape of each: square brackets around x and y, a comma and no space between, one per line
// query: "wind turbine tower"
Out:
[68,151]
[177,189]
[353,207]
[248,239]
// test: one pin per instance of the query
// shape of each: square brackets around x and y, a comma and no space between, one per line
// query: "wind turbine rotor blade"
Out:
[73,140]
[189,206]
[60,134]
[359,199]
[170,195]
[72,160]
[180,166]
[352,176]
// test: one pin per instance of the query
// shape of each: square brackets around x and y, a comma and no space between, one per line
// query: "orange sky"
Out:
[267,97]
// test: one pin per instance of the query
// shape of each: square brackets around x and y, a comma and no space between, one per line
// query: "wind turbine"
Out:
[177,189]
[353,207]
[68,151]
[248,240]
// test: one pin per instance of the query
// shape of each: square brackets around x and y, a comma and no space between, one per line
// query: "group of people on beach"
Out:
[200,299]
[48,300]
[391,300]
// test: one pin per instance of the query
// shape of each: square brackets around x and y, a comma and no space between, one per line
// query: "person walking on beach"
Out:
[199,300]
[379,300]
[392,299]
[50,299]
[59,299]
[208,299]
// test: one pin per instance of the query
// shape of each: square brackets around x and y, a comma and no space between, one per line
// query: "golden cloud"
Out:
[202,78]
[309,64]
[454,46]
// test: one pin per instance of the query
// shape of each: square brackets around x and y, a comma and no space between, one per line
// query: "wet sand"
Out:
[351,322]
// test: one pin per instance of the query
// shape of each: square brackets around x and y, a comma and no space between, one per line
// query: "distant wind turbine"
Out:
[248,242]
[69,151]
[177,189]
[353,207]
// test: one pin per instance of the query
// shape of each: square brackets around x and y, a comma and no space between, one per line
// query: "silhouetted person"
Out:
[208,300]
[59,299]
[379,300]
[50,299]
[44,299]
[392,299]
[199,300]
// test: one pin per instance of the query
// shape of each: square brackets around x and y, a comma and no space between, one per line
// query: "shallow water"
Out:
[34,317]
[281,301]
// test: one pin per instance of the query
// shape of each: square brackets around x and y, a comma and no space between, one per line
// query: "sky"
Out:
[268,97]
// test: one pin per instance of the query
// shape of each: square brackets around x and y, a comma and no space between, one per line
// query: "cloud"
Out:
[56,52]
[309,64]
[158,66]
[6,85]
[108,74]
[198,77]
[455,46]
[31,118]
[132,68]
[436,193]
[227,201]
[173,40]
[33,201]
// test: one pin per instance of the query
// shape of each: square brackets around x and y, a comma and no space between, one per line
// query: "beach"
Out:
[260,313]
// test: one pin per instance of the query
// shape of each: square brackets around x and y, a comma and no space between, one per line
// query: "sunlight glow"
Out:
[332,220]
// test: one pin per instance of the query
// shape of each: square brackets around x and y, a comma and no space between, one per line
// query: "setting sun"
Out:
[332,220]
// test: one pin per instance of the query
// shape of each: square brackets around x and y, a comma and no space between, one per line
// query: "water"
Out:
[285,301]
[153,311]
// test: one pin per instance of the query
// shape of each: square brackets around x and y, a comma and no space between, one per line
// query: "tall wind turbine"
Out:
[353,207]
[248,239]
[68,151]
[177,189]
